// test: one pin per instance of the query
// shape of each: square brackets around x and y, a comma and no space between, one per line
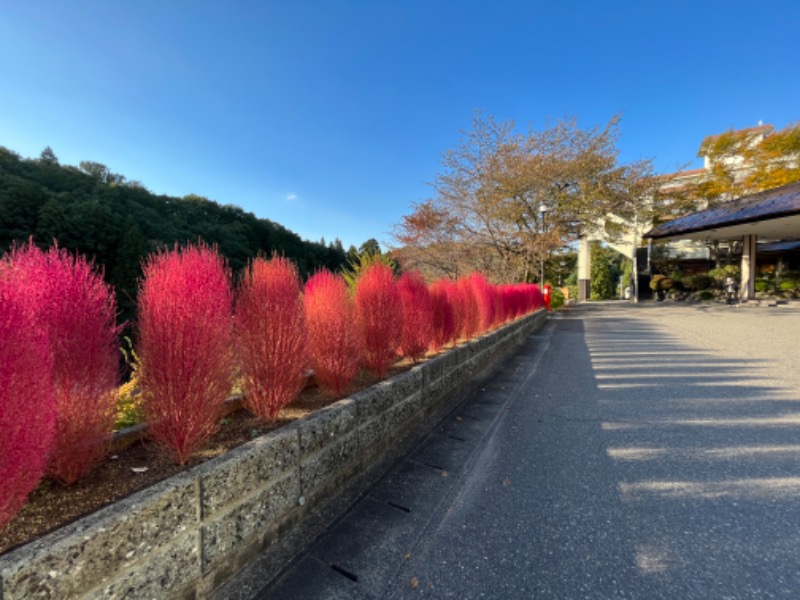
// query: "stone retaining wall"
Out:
[185,536]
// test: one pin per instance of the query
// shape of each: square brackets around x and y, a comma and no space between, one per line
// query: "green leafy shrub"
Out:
[724,272]
[661,283]
[706,295]
[762,285]
[129,405]
[573,292]
[698,282]
[556,299]
[678,281]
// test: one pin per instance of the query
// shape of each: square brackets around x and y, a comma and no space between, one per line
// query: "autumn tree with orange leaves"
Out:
[505,200]
[742,163]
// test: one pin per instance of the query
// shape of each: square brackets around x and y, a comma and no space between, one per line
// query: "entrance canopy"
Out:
[770,215]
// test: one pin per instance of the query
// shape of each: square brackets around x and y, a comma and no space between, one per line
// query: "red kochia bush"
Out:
[27,400]
[532,297]
[468,316]
[185,335]
[77,312]
[271,336]
[417,311]
[509,305]
[444,326]
[379,316]
[483,293]
[334,343]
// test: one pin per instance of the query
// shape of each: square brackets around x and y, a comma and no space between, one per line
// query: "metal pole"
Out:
[635,257]
[541,270]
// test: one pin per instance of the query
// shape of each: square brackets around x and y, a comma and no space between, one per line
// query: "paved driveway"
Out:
[647,451]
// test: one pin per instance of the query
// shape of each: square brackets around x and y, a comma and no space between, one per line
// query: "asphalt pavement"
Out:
[625,451]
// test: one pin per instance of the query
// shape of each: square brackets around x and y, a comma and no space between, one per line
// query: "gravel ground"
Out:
[627,451]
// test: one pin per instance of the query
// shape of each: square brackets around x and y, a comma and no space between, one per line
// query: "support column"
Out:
[747,287]
[584,270]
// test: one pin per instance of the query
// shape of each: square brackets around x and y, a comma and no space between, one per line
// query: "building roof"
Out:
[783,246]
[756,129]
[773,214]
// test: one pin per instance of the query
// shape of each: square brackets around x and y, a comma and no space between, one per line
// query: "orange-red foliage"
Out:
[444,325]
[334,343]
[27,399]
[77,312]
[417,310]
[379,315]
[185,335]
[271,336]
[484,296]
[519,299]
[466,309]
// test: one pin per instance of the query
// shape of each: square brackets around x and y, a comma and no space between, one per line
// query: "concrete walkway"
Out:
[626,451]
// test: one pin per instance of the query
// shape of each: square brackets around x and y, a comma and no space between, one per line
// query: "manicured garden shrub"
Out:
[27,399]
[705,295]
[77,312]
[511,302]
[484,296]
[379,316]
[789,285]
[722,273]
[185,349]
[334,341]
[270,336]
[444,325]
[557,300]
[417,311]
[468,318]
[699,281]
[522,298]
[660,282]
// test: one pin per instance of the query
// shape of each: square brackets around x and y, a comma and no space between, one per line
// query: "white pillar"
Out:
[584,269]
[747,288]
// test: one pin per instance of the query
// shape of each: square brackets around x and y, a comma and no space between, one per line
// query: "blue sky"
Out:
[329,117]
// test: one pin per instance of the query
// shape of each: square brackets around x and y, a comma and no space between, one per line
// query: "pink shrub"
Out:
[532,298]
[444,325]
[417,310]
[483,293]
[27,400]
[379,316]
[334,343]
[510,306]
[77,312]
[271,336]
[185,335]
[529,298]
[468,312]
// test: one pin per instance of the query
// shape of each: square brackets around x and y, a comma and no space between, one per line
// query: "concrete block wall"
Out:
[184,537]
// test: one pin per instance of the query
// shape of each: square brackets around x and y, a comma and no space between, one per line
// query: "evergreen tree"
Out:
[48,156]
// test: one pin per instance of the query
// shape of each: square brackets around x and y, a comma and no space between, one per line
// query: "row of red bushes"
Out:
[59,348]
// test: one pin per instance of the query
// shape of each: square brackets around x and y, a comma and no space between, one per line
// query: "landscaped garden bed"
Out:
[185,536]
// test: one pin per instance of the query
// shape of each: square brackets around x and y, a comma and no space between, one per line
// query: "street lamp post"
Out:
[542,212]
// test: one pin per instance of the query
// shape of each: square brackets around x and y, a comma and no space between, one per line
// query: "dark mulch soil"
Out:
[51,505]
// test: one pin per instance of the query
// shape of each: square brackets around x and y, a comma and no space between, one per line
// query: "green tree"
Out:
[48,156]
[131,252]
[606,270]
[371,246]
[115,222]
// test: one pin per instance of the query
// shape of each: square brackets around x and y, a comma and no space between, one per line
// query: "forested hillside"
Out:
[116,222]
